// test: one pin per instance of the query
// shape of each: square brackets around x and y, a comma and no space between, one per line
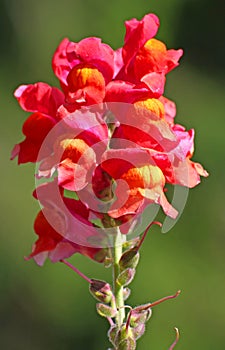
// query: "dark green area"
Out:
[50,307]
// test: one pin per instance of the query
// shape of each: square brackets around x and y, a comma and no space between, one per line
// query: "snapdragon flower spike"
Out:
[110,138]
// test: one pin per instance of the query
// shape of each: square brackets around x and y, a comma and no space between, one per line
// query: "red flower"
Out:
[54,223]
[137,34]
[83,69]
[142,182]
[76,150]
[146,59]
[154,57]
[43,100]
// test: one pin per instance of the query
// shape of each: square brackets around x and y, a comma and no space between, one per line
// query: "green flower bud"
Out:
[126,276]
[127,344]
[101,290]
[125,339]
[105,310]
[129,258]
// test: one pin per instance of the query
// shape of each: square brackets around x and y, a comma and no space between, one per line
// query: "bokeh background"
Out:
[50,307]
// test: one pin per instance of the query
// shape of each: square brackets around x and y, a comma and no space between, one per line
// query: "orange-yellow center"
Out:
[150,58]
[153,105]
[73,149]
[82,76]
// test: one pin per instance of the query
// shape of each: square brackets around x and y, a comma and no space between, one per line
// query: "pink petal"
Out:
[173,57]
[155,82]
[121,91]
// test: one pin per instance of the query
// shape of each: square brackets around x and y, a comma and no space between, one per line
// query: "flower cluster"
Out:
[107,138]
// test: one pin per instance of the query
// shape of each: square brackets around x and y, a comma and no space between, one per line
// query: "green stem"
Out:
[118,289]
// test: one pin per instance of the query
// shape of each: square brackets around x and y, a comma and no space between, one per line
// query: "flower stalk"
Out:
[117,251]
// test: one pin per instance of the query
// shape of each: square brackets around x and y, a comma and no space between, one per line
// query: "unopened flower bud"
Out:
[105,310]
[125,339]
[126,276]
[129,258]
[101,290]
[127,344]
[139,317]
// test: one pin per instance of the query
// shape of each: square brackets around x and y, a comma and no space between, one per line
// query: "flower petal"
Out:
[39,97]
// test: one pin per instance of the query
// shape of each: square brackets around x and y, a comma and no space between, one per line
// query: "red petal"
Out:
[39,97]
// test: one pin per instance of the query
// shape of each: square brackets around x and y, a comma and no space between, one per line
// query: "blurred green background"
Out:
[50,307]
